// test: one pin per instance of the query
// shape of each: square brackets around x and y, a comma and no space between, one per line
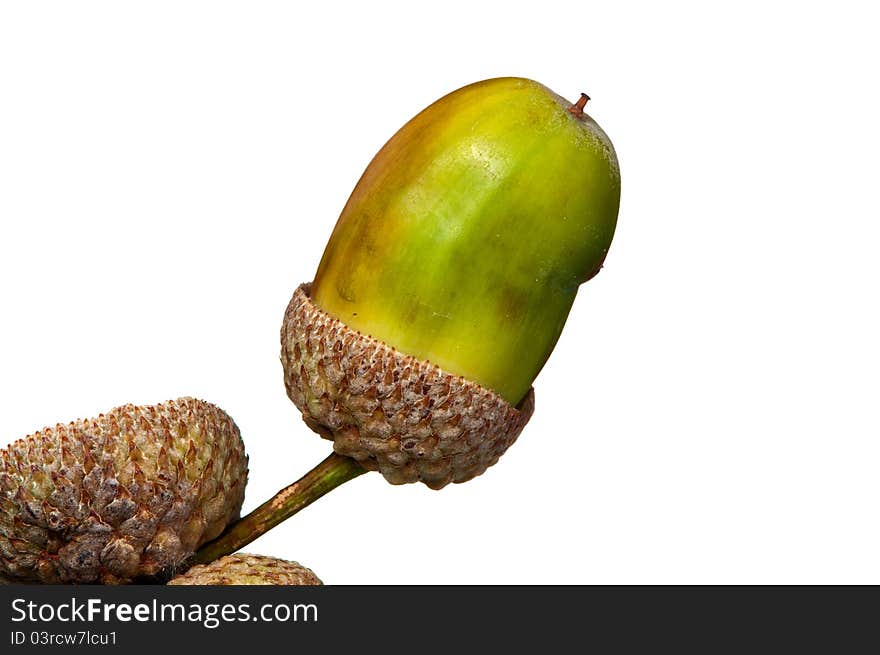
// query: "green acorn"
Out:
[467,237]
[448,278]
[443,290]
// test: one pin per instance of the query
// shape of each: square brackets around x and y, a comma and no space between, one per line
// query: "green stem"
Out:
[325,477]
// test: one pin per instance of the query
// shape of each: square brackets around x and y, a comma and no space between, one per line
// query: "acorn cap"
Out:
[393,413]
[246,569]
[131,493]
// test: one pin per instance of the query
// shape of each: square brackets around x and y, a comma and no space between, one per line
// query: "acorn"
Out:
[246,569]
[443,290]
[448,278]
[127,495]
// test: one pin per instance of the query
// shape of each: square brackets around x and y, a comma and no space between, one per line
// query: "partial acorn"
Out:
[245,569]
[448,279]
[129,494]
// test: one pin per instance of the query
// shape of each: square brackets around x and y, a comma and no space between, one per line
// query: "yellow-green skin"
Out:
[467,237]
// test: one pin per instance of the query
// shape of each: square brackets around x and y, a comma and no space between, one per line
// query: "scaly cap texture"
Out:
[392,413]
[131,493]
[246,569]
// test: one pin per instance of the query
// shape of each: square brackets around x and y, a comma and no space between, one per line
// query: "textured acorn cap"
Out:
[131,493]
[246,569]
[404,417]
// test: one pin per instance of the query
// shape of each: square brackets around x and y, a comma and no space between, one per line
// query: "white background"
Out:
[170,171]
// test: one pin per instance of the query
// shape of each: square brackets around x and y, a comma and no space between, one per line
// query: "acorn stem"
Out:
[577,109]
[324,478]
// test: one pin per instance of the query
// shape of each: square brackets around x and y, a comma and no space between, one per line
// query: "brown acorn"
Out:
[246,569]
[129,494]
